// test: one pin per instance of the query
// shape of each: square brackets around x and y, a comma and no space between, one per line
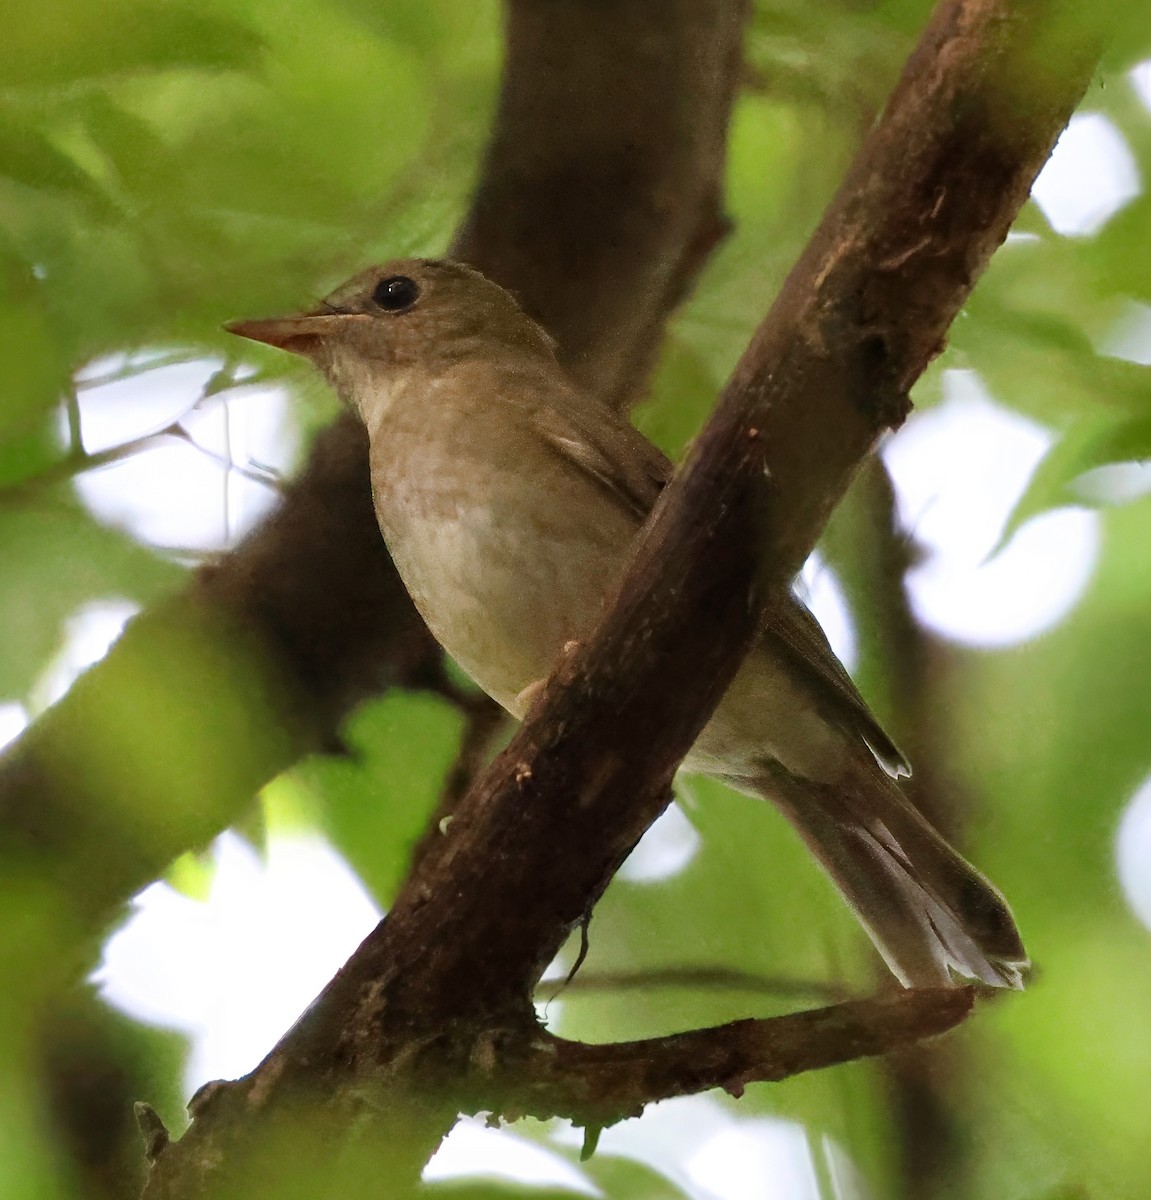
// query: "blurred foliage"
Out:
[375,805]
[165,167]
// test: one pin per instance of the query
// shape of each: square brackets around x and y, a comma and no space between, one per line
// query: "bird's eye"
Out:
[396,293]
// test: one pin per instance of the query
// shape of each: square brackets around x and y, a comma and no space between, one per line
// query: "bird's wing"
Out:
[607,448]
[790,627]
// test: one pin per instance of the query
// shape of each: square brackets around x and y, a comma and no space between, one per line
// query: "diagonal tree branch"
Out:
[589,210]
[413,1017]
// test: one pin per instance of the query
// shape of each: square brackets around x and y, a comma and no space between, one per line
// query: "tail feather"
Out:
[928,911]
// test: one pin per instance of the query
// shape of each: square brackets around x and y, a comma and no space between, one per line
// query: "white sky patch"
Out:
[235,970]
[1133,853]
[197,494]
[170,495]
[13,722]
[1130,338]
[821,591]
[1116,483]
[754,1160]
[1120,483]
[665,850]
[120,411]
[1141,79]
[959,470]
[473,1149]
[712,1153]
[1090,175]
[846,1178]
[667,1136]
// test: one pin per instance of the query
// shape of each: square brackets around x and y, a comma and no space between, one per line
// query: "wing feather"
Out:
[609,450]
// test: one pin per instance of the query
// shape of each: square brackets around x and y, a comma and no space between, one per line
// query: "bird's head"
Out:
[409,314]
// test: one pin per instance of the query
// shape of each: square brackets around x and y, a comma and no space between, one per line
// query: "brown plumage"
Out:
[509,499]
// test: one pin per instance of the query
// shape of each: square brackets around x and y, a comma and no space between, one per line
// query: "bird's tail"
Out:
[929,912]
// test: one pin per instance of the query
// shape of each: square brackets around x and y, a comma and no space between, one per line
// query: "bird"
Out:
[509,498]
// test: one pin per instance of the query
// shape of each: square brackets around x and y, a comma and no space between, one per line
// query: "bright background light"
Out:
[234,970]
[959,470]
[199,492]
[13,719]
[1088,178]
[1133,853]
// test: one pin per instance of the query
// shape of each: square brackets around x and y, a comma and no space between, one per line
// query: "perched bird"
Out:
[509,499]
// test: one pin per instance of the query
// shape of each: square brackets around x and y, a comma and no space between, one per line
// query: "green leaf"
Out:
[376,803]
[192,875]
[69,41]
[57,558]
[625,1177]
[36,370]
[1045,365]
[682,396]
[465,1189]
[25,455]
[29,157]
[145,164]
[273,150]
[1123,251]
[1089,445]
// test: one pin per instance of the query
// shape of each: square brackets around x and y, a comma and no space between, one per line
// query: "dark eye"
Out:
[396,293]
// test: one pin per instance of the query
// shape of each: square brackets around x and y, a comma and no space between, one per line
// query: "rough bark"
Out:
[439,993]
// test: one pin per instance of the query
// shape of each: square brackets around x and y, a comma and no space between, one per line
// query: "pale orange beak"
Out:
[299,335]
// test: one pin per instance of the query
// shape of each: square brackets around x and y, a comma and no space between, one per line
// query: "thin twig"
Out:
[75,464]
[133,369]
[597,1085]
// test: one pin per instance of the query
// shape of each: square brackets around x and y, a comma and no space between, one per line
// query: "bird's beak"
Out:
[301,335]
